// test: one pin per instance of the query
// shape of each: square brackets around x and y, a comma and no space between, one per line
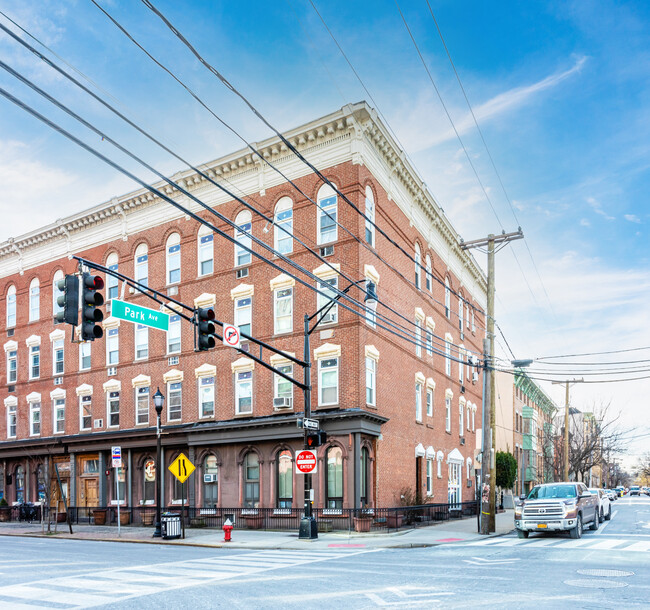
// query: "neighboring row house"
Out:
[398,415]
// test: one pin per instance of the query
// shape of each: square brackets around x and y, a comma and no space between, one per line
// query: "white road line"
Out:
[486,542]
[606,544]
[644,545]
[27,592]
[542,541]
[574,543]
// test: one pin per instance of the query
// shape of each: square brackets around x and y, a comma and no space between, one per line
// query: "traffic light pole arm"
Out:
[325,308]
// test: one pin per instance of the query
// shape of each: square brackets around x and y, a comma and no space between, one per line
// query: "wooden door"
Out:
[91,492]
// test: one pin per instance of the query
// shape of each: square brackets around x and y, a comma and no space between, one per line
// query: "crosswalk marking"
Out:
[644,545]
[589,543]
[120,584]
[606,544]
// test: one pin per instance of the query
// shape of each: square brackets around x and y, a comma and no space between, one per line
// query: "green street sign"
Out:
[139,315]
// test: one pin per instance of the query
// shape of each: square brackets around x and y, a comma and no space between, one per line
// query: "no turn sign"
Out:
[306,461]
[231,336]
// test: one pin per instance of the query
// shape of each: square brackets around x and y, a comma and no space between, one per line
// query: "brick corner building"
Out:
[399,400]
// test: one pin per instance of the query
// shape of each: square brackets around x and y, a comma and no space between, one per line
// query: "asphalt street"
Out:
[605,569]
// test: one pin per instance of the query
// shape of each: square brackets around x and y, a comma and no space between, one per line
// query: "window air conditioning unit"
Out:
[282,403]
[469,482]
[329,318]
[209,478]
[98,423]
[462,389]
[10,332]
[172,360]
[462,440]
[112,370]
[327,251]
[241,273]
[474,377]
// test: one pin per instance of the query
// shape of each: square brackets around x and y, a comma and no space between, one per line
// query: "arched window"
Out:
[111,281]
[149,482]
[251,480]
[244,223]
[418,267]
[365,476]
[34,300]
[206,250]
[173,250]
[142,264]
[210,481]
[334,491]
[429,276]
[283,221]
[11,306]
[284,477]
[370,216]
[56,293]
[447,298]
[327,214]
[460,314]
[20,484]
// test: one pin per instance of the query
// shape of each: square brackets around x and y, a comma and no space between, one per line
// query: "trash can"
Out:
[170,525]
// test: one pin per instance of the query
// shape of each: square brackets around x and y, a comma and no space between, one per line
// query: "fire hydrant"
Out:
[227,530]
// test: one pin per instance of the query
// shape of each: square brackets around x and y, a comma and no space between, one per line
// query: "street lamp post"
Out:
[308,526]
[158,401]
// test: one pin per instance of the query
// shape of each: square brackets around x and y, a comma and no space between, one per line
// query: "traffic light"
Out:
[69,300]
[316,439]
[205,329]
[91,300]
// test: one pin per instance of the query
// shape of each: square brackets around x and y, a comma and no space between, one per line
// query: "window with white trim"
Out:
[282,388]
[328,381]
[460,314]
[57,357]
[206,250]
[56,293]
[429,477]
[142,405]
[473,414]
[85,412]
[283,226]
[12,421]
[113,346]
[429,402]
[429,340]
[59,415]
[113,409]
[327,286]
[244,314]
[327,210]
[439,468]
[34,361]
[461,412]
[418,401]
[283,308]
[370,217]
[34,300]
[418,267]
[244,392]
[469,410]
[461,363]
[34,418]
[429,274]
[371,314]
[243,241]
[11,306]
[447,298]
[111,280]
[84,356]
[206,396]
[12,366]
[142,264]
[173,258]
[174,335]
[473,324]
[371,381]
[141,341]
[418,337]
[447,356]
[174,401]
[448,413]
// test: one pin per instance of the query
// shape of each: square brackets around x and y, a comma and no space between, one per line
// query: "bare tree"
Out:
[643,469]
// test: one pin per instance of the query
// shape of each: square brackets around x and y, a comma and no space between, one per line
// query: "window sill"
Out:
[85,429]
[430,426]
[374,407]
[114,502]
[419,422]
[244,414]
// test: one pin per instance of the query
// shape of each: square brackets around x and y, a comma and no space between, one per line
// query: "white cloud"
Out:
[584,222]
[632,218]
[598,209]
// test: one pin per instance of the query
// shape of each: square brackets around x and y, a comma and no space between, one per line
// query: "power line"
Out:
[617,351]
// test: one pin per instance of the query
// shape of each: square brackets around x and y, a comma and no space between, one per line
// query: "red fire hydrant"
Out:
[227,530]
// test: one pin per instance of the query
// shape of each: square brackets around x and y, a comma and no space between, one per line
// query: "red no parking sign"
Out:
[306,461]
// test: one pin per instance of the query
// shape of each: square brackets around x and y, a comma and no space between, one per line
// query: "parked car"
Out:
[611,494]
[604,505]
[635,490]
[557,507]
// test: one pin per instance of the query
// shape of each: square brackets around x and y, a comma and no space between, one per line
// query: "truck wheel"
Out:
[576,532]
[608,516]
[522,534]
[595,524]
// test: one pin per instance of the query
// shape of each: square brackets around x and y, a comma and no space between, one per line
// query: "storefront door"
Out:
[91,492]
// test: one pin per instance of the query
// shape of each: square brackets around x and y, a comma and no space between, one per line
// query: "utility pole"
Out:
[488,466]
[565,469]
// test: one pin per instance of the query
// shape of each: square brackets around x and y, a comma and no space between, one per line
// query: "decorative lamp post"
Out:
[308,526]
[158,401]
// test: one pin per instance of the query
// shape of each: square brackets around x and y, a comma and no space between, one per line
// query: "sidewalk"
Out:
[461,530]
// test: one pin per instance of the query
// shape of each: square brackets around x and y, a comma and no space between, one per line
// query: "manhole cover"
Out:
[592,583]
[606,573]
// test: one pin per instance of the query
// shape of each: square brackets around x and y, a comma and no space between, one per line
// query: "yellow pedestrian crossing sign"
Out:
[182,468]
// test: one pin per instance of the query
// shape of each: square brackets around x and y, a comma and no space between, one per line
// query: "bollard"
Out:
[227,530]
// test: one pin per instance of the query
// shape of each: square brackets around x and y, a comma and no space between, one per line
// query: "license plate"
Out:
[542,525]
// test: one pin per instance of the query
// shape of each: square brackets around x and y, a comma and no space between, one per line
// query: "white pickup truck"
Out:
[557,507]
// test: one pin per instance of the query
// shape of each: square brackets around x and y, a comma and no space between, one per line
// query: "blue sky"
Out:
[561,91]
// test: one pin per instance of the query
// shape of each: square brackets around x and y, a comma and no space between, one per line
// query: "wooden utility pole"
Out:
[565,469]
[488,466]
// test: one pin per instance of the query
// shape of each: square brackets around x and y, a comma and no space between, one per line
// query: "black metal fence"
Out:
[329,519]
